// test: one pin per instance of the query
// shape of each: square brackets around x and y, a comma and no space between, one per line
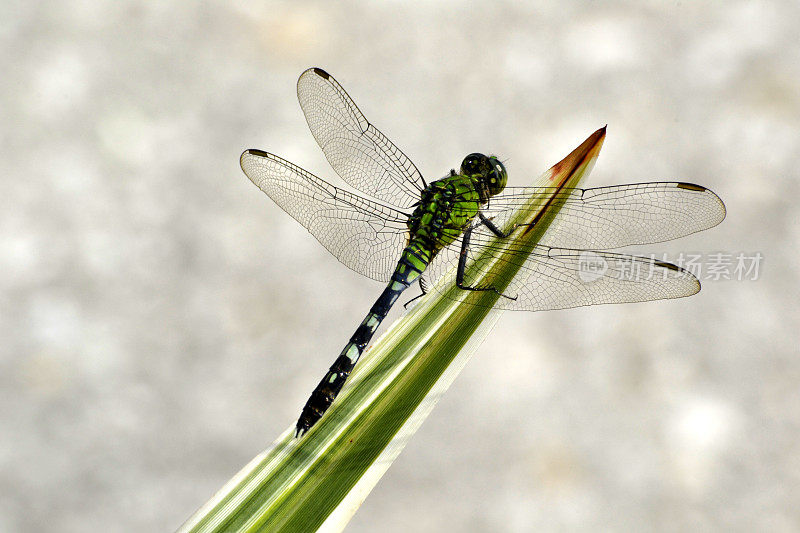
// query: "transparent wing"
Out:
[600,218]
[612,217]
[356,150]
[366,236]
[558,278]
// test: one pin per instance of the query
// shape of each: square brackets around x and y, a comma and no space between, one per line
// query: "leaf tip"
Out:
[579,158]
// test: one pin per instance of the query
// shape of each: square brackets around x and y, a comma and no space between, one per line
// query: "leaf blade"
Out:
[320,480]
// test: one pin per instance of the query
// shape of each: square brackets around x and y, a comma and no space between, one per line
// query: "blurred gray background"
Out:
[163,321]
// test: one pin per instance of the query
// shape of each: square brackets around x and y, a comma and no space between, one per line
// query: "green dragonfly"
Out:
[420,231]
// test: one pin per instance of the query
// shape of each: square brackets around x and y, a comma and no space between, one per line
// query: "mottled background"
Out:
[162,321]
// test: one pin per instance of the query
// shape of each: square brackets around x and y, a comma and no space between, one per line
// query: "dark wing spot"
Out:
[691,187]
[669,266]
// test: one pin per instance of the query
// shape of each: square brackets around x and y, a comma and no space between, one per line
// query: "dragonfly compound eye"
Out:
[475,164]
[497,176]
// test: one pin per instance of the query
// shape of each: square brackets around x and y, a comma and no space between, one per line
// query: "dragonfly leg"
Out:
[424,292]
[462,259]
[497,231]
[493,228]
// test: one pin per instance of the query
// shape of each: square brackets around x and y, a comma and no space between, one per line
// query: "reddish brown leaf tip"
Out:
[588,149]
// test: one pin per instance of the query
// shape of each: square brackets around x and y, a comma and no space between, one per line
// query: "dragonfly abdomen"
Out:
[408,270]
[437,221]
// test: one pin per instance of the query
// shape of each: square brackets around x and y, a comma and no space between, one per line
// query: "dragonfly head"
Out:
[488,170]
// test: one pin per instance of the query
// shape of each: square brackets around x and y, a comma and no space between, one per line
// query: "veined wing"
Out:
[366,236]
[356,150]
[594,219]
[558,278]
[611,217]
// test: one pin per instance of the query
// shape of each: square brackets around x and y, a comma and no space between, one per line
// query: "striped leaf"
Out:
[317,482]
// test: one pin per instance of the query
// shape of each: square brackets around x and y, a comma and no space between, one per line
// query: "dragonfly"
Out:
[405,229]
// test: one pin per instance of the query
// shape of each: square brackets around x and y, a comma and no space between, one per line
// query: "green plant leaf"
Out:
[320,480]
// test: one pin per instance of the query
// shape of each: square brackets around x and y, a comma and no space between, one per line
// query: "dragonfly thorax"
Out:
[446,207]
